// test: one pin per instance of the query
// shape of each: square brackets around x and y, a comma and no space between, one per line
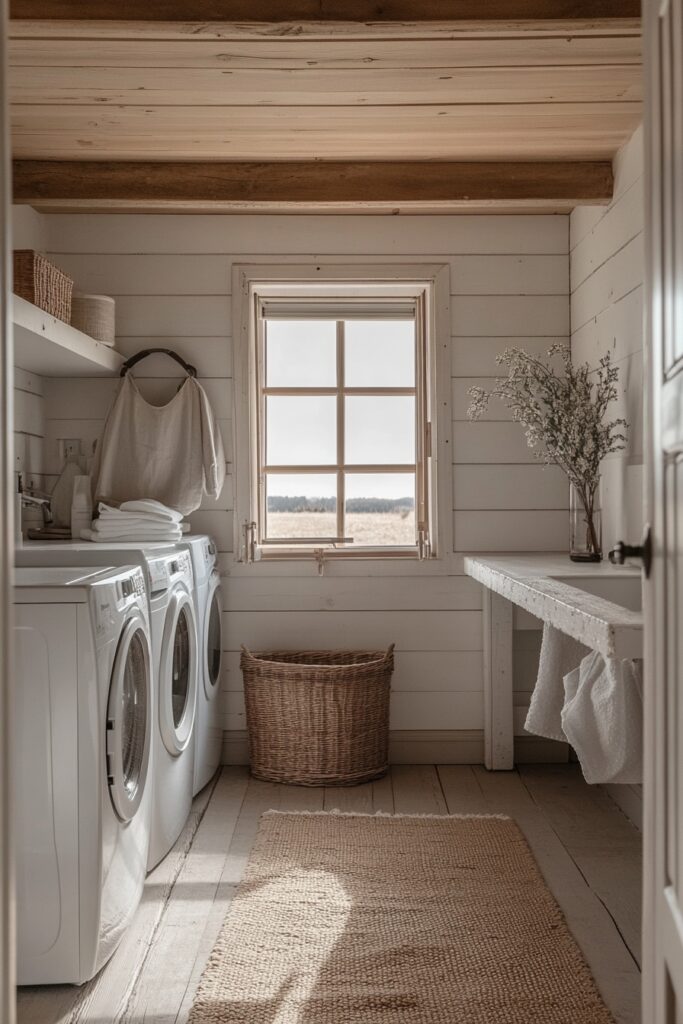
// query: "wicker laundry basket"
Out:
[318,718]
[43,284]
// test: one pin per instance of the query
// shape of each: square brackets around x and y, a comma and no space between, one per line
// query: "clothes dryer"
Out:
[82,781]
[170,806]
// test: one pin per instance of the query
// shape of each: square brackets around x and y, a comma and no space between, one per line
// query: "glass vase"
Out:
[585,526]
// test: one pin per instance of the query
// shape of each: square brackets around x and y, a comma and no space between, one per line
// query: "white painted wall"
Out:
[607,272]
[171,278]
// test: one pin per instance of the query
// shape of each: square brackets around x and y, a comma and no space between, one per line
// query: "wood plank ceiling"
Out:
[192,104]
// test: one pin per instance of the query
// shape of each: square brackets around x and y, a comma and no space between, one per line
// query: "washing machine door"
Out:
[213,636]
[178,673]
[129,719]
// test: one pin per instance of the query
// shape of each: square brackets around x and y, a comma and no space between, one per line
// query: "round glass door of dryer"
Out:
[178,674]
[213,637]
[129,721]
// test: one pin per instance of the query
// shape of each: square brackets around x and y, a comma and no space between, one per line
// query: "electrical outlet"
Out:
[69,448]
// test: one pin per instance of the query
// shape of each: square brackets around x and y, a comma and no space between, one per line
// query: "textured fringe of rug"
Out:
[335,812]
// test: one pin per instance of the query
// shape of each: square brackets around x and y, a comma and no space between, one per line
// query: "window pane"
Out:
[380,508]
[380,430]
[301,353]
[300,506]
[380,353]
[301,430]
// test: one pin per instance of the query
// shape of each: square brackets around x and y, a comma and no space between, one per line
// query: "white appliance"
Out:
[82,786]
[175,660]
[173,750]
[208,609]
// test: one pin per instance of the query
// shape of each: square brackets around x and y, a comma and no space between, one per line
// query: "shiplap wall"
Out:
[171,278]
[29,231]
[607,271]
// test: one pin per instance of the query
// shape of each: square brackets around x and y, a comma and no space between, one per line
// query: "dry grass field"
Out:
[364,527]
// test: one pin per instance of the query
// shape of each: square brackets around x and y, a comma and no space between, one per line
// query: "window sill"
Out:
[445,564]
[297,554]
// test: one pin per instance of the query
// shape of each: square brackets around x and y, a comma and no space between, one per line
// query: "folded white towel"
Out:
[559,654]
[153,508]
[110,513]
[132,524]
[603,718]
[121,518]
[133,536]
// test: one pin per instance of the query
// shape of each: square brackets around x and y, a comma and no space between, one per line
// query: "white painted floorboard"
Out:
[588,851]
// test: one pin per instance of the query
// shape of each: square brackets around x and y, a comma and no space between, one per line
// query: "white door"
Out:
[7,940]
[213,638]
[129,720]
[663,832]
[178,674]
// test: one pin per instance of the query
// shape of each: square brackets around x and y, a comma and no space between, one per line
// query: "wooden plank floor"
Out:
[587,850]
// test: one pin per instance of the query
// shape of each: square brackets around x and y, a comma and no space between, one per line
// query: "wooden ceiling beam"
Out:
[275,11]
[315,185]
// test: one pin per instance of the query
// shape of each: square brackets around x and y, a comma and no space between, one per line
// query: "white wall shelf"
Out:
[49,347]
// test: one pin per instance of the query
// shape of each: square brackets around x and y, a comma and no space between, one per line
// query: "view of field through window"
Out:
[379,430]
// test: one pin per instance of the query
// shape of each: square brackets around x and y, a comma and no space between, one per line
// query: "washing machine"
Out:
[208,610]
[82,779]
[175,661]
[174,636]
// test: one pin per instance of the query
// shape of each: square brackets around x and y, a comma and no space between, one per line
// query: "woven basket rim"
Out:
[271,658]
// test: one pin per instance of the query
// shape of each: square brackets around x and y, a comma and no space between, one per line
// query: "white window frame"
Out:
[428,285]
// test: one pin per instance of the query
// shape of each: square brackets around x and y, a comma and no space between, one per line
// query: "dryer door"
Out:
[213,635]
[129,719]
[178,673]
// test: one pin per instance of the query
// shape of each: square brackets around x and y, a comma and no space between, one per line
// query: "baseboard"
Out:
[436,746]
[429,746]
[235,747]
[629,799]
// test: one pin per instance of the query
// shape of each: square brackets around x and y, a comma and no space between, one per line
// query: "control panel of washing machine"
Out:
[180,564]
[158,574]
[210,553]
[132,585]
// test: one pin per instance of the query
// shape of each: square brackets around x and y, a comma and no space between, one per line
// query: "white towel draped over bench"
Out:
[559,655]
[603,718]
[593,703]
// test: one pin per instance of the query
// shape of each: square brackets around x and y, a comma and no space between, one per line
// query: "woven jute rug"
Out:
[363,919]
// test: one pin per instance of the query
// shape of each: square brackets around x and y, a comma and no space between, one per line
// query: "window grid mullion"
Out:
[363,392]
[262,429]
[341,428]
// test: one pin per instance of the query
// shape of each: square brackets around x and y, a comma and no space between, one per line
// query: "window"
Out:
[340,410]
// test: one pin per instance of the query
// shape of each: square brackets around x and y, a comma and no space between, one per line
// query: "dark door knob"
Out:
[622,551]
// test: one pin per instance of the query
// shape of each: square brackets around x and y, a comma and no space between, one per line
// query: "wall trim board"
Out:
[628,799]
[431,281]
[428,746]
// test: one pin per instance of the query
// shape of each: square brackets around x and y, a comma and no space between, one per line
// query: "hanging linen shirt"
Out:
[172,453]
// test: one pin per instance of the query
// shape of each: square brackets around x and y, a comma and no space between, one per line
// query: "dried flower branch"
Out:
[564,416]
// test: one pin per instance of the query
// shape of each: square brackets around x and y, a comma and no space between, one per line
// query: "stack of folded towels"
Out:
[141,520]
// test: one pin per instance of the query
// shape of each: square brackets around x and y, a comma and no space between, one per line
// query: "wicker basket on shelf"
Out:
[43,284]
[318,718]
[94,315]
